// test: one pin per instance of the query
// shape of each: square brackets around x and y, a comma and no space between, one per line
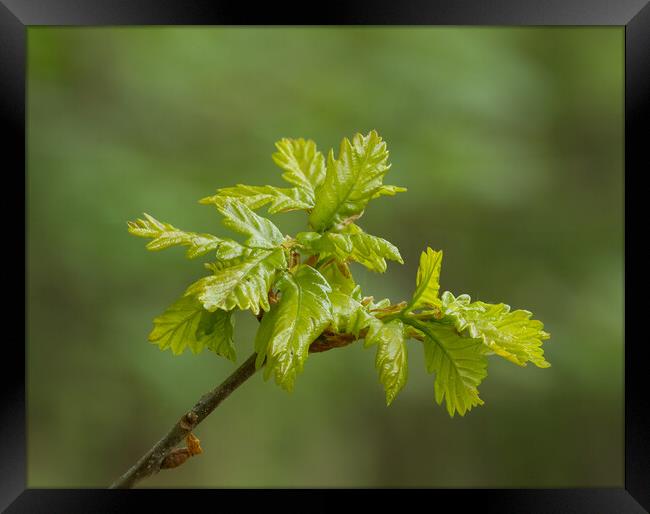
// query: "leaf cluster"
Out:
[303,292]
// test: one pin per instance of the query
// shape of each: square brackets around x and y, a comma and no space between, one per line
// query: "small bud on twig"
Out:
[175,458]
[189,420]
[179,455]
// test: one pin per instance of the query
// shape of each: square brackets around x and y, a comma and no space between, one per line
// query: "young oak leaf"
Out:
[242,281]
[392,357]
[371,251]
[303,165]
[288,329]
[260,231]
[186,323]
[216,333]
[354,245]
[509,334]
[279,199]
[164,236]
[329,244]
[427,282]
[349,316]
[459,364]
[351,181]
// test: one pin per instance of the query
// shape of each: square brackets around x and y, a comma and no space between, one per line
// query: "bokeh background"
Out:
[510,141]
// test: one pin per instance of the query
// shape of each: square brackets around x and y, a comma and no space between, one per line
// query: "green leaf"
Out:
[187,324]
[427,281]
[243,281]
[392,356]
[348,315]
[371,251]
[511,335]
[280,199]
[165,235]
[303,165]
[329,244]
[459,363]
[339,277]
[176,327]
[230,249]
[354,244]
[288,329]
[261,232]
[216,333]
[386,190]
[351,181]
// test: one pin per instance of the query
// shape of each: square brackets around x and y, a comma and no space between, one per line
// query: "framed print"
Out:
[425,208]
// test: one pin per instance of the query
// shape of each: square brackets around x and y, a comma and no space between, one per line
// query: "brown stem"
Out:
[150,463]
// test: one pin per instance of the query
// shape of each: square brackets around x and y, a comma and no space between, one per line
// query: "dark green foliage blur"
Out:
[510,142]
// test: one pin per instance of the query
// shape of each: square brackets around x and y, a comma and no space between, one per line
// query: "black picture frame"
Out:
[17,15]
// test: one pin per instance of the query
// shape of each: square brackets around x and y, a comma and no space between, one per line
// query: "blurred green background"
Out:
[510,141]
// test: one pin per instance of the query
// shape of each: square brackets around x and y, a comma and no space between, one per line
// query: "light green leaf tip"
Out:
[427,281]
[303,165]
[386,190]
[164,236]
[351,181]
